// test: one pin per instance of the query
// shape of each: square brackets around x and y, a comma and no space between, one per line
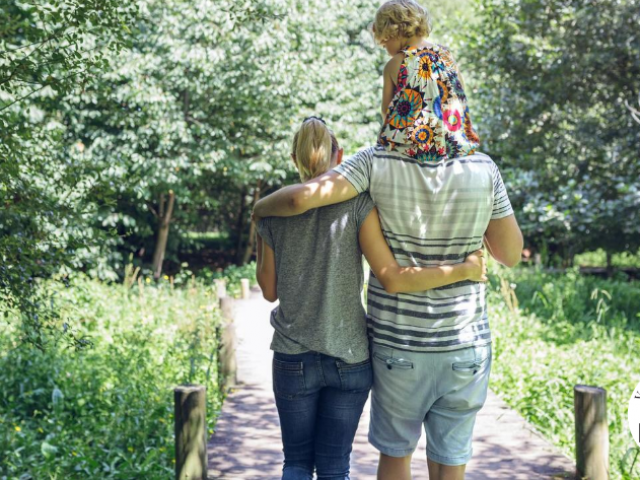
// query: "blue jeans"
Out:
[320,401]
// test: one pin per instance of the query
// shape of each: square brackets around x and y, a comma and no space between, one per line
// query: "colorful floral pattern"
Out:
[407,109]
[402,78]
[422,135]
[425,67]
[452,120]
[428,118]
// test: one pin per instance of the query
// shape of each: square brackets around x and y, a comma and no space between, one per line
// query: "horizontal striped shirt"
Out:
[431,214]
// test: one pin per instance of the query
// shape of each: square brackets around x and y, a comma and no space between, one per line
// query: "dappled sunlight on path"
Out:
[246,443]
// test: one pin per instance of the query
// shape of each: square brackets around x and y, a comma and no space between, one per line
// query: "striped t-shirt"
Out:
[431,214]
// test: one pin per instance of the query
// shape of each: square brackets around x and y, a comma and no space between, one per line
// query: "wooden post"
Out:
[592,432]
[190,432]
[228,363]
[244,283]
[609,264]
[537,260]
[221,288]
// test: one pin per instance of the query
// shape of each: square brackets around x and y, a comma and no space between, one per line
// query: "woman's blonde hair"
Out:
[313,146]
[401,18]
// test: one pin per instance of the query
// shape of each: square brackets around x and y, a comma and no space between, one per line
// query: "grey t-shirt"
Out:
[319,279]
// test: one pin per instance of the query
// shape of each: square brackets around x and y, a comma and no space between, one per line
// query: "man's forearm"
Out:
[327,189]
[282,203]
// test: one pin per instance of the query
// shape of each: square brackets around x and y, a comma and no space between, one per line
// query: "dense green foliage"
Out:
[598,258]
[107,411]
[47,50]
[107,106]
[565,330]
[551,79]
[201,102]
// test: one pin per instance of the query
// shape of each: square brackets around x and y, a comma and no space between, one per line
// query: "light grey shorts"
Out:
[441,390]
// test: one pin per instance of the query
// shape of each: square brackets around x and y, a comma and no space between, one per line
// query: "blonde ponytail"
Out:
[313,146]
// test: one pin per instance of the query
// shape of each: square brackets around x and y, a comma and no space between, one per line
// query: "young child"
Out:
[423,101]
[312,263]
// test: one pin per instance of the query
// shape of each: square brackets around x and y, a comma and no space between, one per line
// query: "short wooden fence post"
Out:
[246,292]
[228,362]
[537,260]
[221,287]
[190,432]
[592,432]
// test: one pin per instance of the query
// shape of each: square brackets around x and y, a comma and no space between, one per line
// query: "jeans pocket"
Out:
[355,377]
[480,359]
[288,378]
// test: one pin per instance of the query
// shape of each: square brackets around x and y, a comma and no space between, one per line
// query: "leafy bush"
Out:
[107,411]
[598,258]
[563,330]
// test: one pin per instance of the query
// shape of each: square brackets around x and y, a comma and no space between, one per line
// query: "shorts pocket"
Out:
[288,378]
[480,360]
[355,377]
[392,362]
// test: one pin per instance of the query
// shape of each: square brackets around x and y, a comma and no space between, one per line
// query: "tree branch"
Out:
[635,113]
[11,50]
[22,61]
[40,88]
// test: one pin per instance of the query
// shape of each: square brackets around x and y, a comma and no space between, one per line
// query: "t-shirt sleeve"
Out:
[363,206]
[357,169]
[501,203]
[264,230]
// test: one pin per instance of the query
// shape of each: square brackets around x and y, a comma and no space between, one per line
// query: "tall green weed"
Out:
[564,330]
[107,411]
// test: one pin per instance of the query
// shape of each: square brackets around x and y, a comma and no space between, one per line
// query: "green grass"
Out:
[211,236]
[598,258]
[107,411]
[561,331]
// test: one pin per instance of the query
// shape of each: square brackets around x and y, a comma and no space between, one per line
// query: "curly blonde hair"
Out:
[401,18]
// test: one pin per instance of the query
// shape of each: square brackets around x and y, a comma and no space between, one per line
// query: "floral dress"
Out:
[428,118]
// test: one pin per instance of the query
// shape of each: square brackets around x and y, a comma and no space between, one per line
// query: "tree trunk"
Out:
[251,244]
[609,264]
[164,218]
[240,225]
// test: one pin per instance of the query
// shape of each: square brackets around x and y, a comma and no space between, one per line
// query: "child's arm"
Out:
[266,271]
[390,77]
[396,279]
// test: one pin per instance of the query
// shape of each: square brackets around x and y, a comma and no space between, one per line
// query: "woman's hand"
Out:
[476,266]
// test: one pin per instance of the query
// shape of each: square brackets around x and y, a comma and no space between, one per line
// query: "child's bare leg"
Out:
[437,471]
[394,468]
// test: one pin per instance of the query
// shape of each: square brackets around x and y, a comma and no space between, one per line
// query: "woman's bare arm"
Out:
[266,271]
[397,279]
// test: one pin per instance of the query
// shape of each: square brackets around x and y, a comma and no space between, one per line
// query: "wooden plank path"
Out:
[246,442]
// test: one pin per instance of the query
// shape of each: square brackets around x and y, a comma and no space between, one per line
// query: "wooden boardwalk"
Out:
[246,443]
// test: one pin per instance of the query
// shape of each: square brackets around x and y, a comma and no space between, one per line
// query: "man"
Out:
[431,351]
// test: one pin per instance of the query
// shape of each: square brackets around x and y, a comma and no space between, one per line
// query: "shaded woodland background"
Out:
[135,138]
